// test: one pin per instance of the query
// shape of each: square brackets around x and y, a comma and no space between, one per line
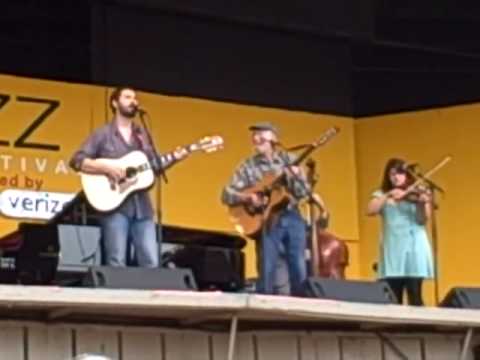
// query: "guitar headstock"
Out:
[210,143]
[327,135]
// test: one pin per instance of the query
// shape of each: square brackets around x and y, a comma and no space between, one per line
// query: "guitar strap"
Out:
[288,161]
[285,158]
[255,175]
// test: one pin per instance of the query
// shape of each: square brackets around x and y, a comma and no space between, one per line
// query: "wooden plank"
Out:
[438,347]
[11,343]
[360,348]
[309,310]
[57,342]
[187,345]
[327,347]
[141,345]
[278,346]
[319,346]
[307,345]
[49,342]
[410,347]
[129,305]
[97,340]
[244,349]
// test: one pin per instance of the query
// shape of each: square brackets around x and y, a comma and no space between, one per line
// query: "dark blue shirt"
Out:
[107,142]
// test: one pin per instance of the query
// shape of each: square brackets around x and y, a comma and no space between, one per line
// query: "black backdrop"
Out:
[343,57]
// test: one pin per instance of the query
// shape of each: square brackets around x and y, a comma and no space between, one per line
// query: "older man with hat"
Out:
[287,232]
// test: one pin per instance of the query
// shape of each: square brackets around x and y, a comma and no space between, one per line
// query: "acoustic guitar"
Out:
[249,219]
[106,195]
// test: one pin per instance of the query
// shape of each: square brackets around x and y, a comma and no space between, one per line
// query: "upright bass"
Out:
[329,254]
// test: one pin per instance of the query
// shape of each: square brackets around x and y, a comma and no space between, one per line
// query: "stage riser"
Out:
[32,341]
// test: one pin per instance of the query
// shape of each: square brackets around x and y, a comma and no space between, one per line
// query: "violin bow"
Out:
[429,173]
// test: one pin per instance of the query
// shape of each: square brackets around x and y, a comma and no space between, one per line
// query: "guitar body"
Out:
[105,195]
[248,219]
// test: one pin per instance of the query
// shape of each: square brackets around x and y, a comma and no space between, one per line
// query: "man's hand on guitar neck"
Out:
[180,153]
[294,172]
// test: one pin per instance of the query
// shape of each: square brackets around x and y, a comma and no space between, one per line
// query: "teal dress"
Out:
[405,250]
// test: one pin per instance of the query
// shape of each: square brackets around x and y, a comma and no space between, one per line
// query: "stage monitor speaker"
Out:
[462,297]
[213,267]
[80,249]
[357,291]
[139,278]
[37,258]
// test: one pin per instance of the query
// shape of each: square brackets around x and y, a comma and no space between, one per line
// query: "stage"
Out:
[58,323]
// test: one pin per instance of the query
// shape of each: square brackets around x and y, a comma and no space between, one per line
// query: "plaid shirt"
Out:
[252,170]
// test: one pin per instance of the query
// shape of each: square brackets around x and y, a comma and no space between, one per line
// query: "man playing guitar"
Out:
[284,232]
[134,217]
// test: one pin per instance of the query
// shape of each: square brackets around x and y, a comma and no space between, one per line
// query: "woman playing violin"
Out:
[405,251]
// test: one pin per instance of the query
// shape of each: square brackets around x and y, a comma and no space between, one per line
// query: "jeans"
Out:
[281,281]
[287,232]
[116,231]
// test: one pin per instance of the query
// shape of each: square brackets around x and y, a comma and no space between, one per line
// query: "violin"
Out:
[417,189]
[419,194]
[415,194]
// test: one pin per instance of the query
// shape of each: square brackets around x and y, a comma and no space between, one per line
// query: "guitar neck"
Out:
[303,155]
[325,138]
[189,148]
[192,147]
[206,144]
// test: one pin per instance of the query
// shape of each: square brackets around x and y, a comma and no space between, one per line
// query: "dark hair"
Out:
[115,95]
[399,165]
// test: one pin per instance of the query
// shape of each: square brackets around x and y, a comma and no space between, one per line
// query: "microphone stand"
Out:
[157,158]
[158,194]
[434,188]
[434,230]
[315,250]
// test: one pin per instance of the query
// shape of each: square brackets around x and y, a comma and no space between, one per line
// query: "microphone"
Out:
[411,166]
[140,110]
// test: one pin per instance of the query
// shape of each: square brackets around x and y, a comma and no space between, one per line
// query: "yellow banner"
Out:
[43,122]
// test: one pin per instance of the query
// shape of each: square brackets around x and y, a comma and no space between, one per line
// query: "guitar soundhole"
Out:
[130,172]
[256,210]
[253,210]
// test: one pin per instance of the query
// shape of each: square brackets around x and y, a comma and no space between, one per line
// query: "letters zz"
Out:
[21,142]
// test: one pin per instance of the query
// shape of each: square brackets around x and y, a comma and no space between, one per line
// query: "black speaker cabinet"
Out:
[343,290]
[139,278]
[80,249]
[462,297]
[213,267]
[37,258]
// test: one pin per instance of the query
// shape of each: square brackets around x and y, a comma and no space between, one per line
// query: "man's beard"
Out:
[128,112]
